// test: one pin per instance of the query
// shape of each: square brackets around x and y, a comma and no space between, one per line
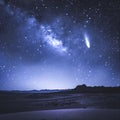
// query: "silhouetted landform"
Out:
[97,89]
[80,89]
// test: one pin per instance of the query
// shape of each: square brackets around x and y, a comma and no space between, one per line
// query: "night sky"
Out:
[59,44]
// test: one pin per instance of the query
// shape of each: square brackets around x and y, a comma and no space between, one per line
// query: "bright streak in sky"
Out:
[55,43]
[50,39]
[87,41]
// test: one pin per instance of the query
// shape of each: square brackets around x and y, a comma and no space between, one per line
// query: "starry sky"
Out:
[59,44]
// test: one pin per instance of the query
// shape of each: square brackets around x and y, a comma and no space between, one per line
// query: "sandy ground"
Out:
[65,114]
[22,102]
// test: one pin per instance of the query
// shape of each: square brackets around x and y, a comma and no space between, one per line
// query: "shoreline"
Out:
[65,114]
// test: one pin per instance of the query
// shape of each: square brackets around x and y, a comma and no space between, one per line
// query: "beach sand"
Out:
[65,114]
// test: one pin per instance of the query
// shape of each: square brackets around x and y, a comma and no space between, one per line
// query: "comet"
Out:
[87,41]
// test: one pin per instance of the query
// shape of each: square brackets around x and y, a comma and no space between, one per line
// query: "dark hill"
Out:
[97,89]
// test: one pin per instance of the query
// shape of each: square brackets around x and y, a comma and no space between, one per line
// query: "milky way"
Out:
[50,44]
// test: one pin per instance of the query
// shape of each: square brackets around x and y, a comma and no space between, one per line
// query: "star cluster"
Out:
[58,44]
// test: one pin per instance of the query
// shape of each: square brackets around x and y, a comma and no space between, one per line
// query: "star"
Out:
[59,43]
[53,42]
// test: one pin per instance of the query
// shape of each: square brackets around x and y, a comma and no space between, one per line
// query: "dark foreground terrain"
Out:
[81,103]
[15,101]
